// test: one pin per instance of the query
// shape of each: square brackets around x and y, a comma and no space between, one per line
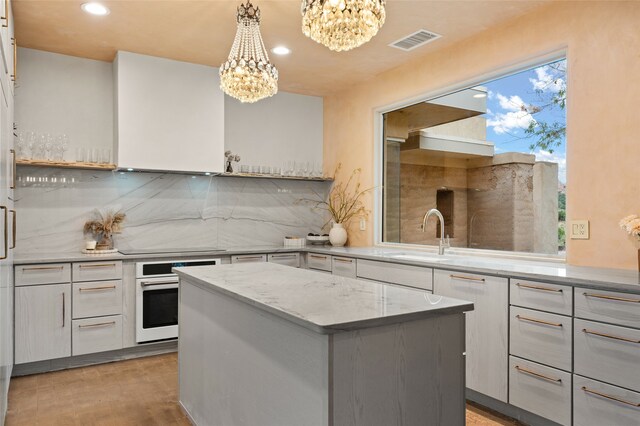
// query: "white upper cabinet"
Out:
[169,115]
[285,127]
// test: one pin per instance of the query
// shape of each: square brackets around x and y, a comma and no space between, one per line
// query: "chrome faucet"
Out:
[443,244]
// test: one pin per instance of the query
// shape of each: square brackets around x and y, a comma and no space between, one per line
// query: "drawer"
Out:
[97,271]
[51,273]
[545,297]
[607,352]
[598,404]
[249,258]
[541,390]
[541,337]
[94,299]
[608,306]
[343,266]
[93,335]
[321,262]
[413,276]
[287,259]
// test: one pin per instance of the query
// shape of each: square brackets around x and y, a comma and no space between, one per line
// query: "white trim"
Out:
[378,128]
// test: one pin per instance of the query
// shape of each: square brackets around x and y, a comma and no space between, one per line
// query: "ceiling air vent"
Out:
[414,40]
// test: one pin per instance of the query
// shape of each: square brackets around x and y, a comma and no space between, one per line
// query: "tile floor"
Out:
[135,392]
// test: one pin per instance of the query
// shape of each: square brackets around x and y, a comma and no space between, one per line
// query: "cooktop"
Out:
[170,250]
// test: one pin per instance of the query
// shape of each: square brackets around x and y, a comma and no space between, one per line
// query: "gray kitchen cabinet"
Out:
[98,298]
[249,258]
[607,352]
[319,262]
[541,337]
[540,389]
[406,275]
[541,296]
[487,331]
[287,259]
[343,266]
[42,322]
[608,306]
[97,271]
[51,273]
[98,334]
[599,404]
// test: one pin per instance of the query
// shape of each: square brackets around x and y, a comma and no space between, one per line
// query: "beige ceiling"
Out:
[202,32]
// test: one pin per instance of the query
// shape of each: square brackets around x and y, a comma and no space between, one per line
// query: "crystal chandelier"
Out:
[247,75]
[342,24]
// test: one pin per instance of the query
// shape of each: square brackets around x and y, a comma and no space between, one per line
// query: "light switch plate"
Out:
[579,230]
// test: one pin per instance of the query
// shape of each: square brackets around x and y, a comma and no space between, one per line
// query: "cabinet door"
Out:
[486,328]
[42,322]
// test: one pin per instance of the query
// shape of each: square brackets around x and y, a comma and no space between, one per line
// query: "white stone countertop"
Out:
[622,280]
[321,302]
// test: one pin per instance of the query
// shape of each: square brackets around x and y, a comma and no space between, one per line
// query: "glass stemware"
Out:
[48,146]
[20,145]
[31,143]
[40,147]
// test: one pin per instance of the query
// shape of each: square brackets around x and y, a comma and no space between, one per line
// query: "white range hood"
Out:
[169,115]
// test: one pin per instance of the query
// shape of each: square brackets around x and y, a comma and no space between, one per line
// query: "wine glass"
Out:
[48,145]
[20,145]
[31,143]
[40,147]
[65,145]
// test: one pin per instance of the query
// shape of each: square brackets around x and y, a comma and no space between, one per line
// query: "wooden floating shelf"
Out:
[66,164]
[261,176]
[110,166]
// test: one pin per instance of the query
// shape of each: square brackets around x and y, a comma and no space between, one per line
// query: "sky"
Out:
[506,120]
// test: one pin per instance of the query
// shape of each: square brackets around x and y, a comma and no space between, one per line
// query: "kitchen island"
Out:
[265,344]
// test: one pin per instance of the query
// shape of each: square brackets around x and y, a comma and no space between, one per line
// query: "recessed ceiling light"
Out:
[281,50]
[480,95]
[94,8]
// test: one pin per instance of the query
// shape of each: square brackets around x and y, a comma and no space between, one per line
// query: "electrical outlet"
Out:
[363,224]
[579,230]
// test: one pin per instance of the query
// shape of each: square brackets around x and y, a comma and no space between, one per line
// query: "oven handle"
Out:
[154,283]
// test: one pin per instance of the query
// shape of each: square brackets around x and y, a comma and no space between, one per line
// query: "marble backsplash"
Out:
[163,210]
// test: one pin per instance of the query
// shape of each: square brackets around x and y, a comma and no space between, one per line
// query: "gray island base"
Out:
[265,344]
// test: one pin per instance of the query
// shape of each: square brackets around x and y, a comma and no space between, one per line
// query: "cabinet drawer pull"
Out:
[248,257]
[101,265]
[14,77]
[154,283]
[462,277]
[610,336]
[43,268]
[6,233]
[533,373]
[283,256]
[64,308]
[106,287]
[315,256]
[538,287]
[337,259]
[603,296]
[12,185]
[613,398]
[13,228]
[555,324]
[99,324]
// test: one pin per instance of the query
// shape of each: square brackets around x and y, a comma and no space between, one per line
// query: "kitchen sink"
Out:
[418,257]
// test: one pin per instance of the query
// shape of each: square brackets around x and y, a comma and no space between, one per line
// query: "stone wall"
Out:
[511,206]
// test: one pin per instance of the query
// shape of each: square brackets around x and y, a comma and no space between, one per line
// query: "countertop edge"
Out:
[595,283]
[332,328]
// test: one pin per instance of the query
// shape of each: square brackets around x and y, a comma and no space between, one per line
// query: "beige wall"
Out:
[603,150]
